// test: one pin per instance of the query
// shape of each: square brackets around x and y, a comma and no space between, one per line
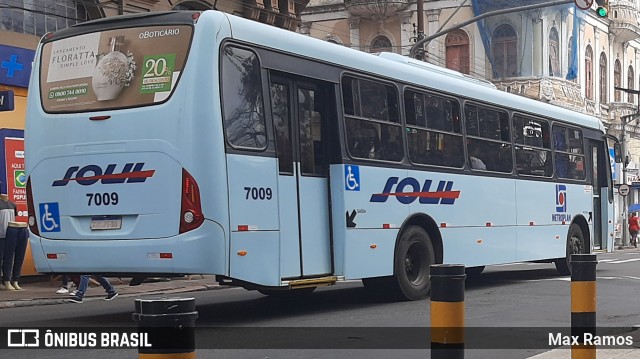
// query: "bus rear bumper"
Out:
[200,251]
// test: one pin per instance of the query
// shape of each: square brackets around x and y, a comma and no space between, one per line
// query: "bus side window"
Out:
[244,119]
[533,146]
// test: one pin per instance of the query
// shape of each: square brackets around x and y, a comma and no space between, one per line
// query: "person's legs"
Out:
[7,258]
[2,241]
[82,287]
[111,292]
[65,285]
[18,258]
[104,282]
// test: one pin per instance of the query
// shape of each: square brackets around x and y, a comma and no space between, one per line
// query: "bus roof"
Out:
[390,66]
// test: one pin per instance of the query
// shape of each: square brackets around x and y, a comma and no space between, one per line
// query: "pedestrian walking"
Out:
[84,284]
[634,226]
[67,283]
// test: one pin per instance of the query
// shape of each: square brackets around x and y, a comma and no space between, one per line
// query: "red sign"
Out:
[16,178]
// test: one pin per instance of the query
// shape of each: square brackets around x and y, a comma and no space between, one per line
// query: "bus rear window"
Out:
[111,69]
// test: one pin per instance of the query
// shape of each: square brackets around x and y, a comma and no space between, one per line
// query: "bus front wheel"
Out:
[575,245]
[412,260]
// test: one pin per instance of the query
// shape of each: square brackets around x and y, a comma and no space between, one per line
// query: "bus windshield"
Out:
[119,68]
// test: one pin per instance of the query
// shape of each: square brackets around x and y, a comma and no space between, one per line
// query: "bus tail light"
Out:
[191,216]
[33,222]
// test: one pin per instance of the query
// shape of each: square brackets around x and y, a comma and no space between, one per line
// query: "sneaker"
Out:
[62,290]
[73,292]
[76,299]
[111,296]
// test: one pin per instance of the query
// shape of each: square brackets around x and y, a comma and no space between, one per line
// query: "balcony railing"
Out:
[375,9]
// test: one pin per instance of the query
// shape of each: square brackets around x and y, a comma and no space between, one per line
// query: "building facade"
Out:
[560,55]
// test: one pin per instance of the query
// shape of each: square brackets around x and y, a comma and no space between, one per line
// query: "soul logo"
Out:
[88,175]
[442,195]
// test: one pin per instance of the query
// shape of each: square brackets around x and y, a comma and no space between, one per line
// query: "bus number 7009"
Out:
[259,193]
[102,199]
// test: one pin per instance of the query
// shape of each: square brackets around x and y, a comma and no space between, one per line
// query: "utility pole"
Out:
[420,11]
[625,160]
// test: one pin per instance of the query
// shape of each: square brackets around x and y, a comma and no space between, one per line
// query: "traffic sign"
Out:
[584,4]
[6,100]
[623,189]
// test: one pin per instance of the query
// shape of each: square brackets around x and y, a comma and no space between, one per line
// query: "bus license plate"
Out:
[108,222]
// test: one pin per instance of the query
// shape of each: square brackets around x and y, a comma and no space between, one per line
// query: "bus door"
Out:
[600,183]
[300,126]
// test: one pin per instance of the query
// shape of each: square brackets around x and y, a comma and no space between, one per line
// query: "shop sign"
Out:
[15,65]
[6,100]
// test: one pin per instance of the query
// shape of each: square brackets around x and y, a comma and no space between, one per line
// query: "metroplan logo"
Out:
[561,214]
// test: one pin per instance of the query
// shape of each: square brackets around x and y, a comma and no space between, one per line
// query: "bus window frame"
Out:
[538,148]
[506,110]
[346,117]
[264,94]
[583,154]
[410,127]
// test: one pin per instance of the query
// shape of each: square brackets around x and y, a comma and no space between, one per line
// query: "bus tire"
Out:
[575,245]
[412,260]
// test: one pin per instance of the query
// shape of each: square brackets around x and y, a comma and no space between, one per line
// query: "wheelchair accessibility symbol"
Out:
[49,217]
[352,178]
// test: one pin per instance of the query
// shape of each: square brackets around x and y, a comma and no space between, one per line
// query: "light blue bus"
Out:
[202,143]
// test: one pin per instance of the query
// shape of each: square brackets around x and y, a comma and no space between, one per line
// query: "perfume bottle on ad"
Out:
[113,72]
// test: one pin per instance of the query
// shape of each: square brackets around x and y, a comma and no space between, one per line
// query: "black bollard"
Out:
[169,324]
[583,303]
[447,311]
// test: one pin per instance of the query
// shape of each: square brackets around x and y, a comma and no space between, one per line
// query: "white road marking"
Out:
[626,261]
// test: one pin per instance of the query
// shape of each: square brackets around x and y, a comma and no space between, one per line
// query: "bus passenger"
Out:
[474,159]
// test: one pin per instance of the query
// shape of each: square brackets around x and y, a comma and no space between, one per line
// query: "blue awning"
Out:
[634,207]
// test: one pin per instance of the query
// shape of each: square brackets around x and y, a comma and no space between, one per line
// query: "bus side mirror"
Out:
[617,150]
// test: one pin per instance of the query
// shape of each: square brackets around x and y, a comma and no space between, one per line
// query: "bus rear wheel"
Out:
[412,260]
[575,245]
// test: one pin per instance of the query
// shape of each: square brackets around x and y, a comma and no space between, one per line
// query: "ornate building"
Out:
[560,55]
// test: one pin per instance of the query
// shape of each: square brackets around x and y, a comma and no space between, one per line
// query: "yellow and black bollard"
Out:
[169,324]
[583,304]
[447,311]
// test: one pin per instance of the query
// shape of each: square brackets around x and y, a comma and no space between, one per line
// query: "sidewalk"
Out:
[42,291]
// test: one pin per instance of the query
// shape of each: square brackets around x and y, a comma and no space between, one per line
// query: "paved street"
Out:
[526,299]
